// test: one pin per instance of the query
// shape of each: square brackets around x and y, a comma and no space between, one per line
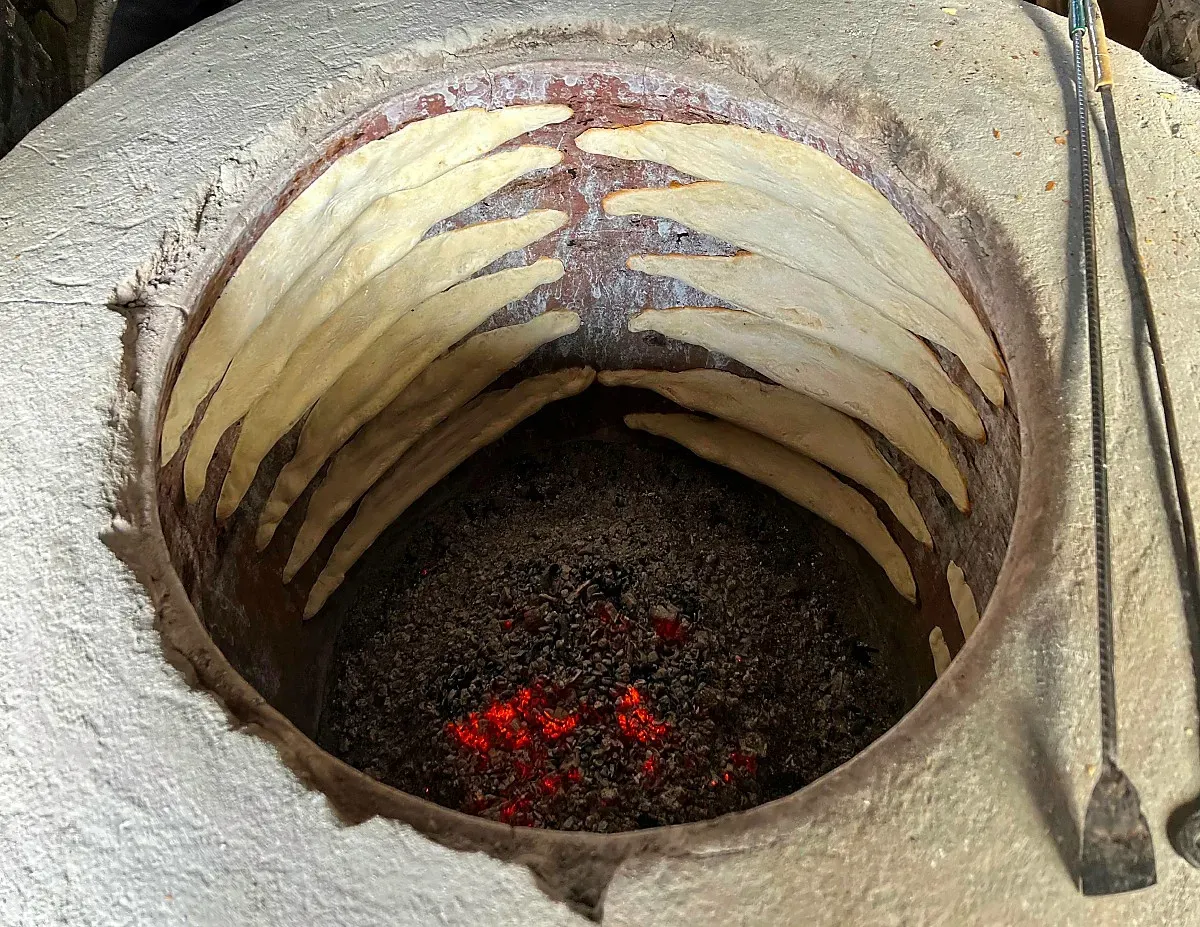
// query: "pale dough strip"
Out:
[381,235]
[325,355]
[811,182]
[445,386]
[792,419]
[763,225]
[963,599]
[819,370]
[824,312]
[793,476]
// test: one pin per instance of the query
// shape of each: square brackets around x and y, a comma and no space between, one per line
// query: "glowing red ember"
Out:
[529,752]
[555,728]
[636,720]
[669,627]
[744,761]
[511,724]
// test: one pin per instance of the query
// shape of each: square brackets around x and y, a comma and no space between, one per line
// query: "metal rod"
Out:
[1116,849]
[1128,228]
[1108,693]
[1090,17]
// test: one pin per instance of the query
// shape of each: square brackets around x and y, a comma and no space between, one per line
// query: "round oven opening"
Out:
[665,560]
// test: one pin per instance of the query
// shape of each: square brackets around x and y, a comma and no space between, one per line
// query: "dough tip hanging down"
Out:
[793,476]
[788,418]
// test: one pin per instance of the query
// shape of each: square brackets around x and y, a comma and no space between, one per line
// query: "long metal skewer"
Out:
[1116,851]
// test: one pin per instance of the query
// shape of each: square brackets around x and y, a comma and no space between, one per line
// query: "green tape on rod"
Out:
[1077,16]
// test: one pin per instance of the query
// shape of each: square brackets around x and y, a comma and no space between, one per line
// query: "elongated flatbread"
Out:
[791,419]
[413,156]
[476,425]
[809,181]
[963,599]
[824,312]
[387,366]
[793,476]
[764,225]
[381,235]
[819,370]
[443,387]
[939,651]
[390,297]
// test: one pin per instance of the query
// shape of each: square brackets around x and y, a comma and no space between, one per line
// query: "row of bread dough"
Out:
[775,433]
[341,266]
[297,326]
[776,437]
[791,204]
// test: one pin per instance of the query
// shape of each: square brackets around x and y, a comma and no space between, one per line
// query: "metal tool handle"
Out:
[1098,39]
[1077,17]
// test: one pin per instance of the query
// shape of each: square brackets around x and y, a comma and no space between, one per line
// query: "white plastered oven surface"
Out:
[127,795]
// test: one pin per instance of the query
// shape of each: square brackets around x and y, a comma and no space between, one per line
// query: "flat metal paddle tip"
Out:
[1116,853]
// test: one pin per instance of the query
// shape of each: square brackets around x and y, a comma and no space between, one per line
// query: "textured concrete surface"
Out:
[129,798]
